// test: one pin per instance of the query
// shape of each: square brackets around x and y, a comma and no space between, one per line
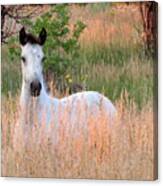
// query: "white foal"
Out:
[34,99]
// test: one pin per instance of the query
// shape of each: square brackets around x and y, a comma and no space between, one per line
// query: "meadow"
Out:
[124,151]
[112,61]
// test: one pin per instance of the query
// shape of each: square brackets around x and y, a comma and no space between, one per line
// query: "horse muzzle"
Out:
[35,88]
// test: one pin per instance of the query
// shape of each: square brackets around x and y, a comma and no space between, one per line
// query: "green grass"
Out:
[111,70]
[99,7]
[11,73]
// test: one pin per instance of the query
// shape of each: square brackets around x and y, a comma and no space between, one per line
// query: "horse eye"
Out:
[43,59]
[23,59]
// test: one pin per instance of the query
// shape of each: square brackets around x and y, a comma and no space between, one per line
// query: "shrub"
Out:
[62,45]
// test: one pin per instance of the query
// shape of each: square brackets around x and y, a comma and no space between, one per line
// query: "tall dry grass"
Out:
[126,149]
[108,25]
[123,150]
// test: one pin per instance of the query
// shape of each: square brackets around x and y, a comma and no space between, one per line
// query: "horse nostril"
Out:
[35,88]
[39,85]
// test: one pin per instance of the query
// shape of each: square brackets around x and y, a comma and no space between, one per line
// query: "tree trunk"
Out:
[149,14]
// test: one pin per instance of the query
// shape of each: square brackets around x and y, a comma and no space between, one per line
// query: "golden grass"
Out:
[117,23]
[124,150]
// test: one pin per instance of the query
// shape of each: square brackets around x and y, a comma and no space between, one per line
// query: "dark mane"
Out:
[32,39]
[29,38]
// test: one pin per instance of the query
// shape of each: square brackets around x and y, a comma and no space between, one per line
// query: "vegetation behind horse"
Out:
[118,67]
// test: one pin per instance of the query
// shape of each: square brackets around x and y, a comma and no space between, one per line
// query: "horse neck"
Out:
[27,101]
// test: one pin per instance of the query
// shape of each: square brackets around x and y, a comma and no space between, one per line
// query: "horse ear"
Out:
[22,36]
[42,36]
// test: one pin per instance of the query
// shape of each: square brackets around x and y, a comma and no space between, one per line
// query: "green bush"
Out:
[62,46]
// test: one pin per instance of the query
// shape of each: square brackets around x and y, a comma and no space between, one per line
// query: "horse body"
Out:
[48,108]
[35,103]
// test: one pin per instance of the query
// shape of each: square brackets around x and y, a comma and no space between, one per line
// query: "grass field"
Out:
[112,61]
[124,151]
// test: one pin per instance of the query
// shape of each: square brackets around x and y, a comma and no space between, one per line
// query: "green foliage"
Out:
[11,76]
[13,51]
[62,46]
[100,7]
